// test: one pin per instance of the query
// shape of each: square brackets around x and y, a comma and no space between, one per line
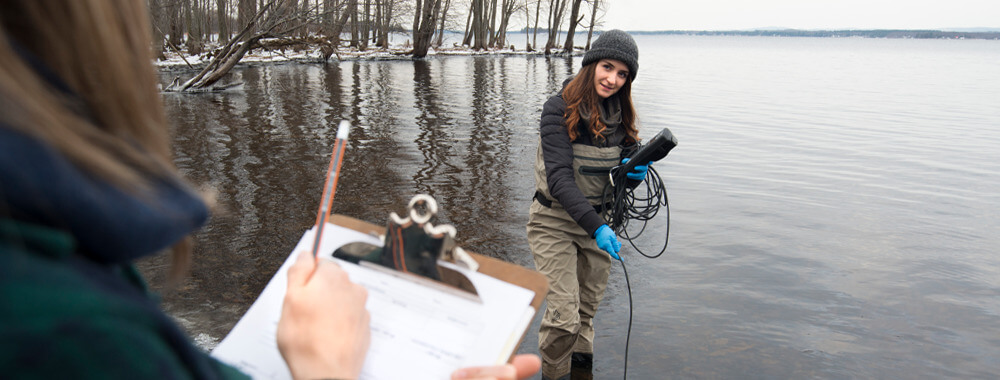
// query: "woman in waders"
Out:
[583,130]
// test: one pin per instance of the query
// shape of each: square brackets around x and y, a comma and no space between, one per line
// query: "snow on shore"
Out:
[314,54]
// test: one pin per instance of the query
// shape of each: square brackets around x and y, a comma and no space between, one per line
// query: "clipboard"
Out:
[251,346]
[496,268]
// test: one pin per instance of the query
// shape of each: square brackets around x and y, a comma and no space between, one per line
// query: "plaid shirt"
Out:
[64,316]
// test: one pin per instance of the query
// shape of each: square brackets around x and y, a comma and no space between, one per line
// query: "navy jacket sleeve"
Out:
[557,150]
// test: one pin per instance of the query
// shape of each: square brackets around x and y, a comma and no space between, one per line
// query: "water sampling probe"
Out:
[628,206]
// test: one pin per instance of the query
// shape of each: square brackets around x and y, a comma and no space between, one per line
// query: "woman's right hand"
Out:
[324,329]
[606,240]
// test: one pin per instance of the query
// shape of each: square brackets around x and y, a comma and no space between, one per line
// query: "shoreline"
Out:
[177,62]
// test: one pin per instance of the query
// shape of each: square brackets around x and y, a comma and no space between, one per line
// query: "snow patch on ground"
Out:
[314,54]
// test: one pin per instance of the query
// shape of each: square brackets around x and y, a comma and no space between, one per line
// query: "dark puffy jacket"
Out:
[558,152]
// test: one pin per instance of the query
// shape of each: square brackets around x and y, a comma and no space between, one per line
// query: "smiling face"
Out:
[609,77]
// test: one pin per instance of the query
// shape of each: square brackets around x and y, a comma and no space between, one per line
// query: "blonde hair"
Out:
[113,124]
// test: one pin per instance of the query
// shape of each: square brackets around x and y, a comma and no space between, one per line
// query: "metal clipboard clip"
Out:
[413,245]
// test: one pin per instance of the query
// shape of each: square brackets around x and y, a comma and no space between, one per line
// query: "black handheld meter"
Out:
[654,150]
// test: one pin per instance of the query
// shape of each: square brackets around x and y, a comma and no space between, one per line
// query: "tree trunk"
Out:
[417,9]
[330,8]
[367,26]
[377,24]
[573,21]
[425,28]
[527,26]
[387,24]
[247,10]
[534,31]
[192,20]
[481,26]
[593,22]
[444,17]
[223,20]
[156,12]
[506,11]
[354,23]
[492,23]
[175,14]
[338,27]
[467,37]
[556,11]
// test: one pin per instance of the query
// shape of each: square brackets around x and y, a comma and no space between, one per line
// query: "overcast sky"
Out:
[800,14]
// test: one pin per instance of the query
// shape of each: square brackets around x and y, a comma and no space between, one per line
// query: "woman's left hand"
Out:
[521,367]
[638,172]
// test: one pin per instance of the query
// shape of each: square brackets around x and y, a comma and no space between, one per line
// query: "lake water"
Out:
[834,204]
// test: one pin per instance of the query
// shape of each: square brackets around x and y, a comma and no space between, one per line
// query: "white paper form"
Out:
[418,332]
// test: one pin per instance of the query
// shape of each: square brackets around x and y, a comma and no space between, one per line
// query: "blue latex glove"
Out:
[638,173]
[607,241]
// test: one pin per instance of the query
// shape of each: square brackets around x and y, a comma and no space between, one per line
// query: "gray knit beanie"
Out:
[614,44]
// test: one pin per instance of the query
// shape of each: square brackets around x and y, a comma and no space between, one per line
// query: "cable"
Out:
[626,208]
[628,333]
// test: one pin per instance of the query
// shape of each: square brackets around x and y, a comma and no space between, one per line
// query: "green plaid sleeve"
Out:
[64,317]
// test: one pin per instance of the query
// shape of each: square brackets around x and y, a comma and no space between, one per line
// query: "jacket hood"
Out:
[38,185]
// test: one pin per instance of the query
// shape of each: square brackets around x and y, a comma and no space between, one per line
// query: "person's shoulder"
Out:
[555,103]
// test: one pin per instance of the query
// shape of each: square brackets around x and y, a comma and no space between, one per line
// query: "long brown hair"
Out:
[580,92]
[100,49]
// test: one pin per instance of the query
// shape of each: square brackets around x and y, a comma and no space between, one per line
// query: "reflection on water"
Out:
[834,205]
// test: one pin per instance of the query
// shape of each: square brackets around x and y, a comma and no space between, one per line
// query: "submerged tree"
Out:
[276,18]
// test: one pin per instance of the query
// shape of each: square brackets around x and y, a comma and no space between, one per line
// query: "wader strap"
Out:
[542,199]
[548,203]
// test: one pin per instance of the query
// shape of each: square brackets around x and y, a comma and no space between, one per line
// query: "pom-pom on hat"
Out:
[614,44]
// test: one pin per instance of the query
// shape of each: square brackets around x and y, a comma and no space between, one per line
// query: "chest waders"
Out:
[577,270]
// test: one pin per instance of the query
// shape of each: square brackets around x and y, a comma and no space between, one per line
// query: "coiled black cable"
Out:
[624,207]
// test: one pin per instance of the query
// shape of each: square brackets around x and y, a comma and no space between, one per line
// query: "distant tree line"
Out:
[873,33]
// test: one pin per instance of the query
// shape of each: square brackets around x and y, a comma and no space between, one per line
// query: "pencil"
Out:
[330,187]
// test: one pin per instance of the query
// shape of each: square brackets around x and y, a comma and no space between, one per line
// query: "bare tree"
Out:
[369,23]
[527,25]
[377,26]
[477,36]
[156,11]
[593,22]
[192,26]
[330,11]
[338,27]
[507,10]
[491,15]
[423,28]
[467,37]
[175,23]
[574,20]
[222,16]
[386,14]
[534,31]
[556,10]
[274,19]
[247,9]
[353,10]
[444,18]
